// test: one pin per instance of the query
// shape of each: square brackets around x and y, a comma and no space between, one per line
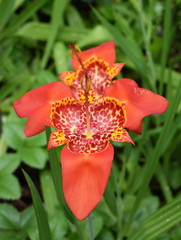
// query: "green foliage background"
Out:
[142,200]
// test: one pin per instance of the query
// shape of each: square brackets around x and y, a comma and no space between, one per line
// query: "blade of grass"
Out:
[152,75]
[57,179]
[152,161]
[41,32]
[163,183]
[110,198]
[41,216]
[166,42]
[161,221]
[21,18]
[6,7]
[48,192]
[11,85]
[60,55]
[56,22]
[128,46]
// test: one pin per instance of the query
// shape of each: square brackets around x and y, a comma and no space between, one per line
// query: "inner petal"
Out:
[68,117]
[105,115]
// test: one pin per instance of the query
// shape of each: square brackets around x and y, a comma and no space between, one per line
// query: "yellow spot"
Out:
[117,134]
[111,71]
[59,136]
[69,79]
[89,134]
[82,98]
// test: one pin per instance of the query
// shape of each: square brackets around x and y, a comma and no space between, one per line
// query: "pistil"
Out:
[86,89]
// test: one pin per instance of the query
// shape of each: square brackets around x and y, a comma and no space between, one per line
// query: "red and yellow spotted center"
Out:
[105,116]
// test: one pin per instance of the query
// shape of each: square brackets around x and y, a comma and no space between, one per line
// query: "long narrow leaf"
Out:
[6,7]
[159,222]
[128,46]
[41,216]
[57,179]
[21,18]
[56,22]
[166,40]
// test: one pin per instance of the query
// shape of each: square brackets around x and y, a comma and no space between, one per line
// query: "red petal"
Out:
[33,127]
[114,70]
[84,179]
[39,96]
[139,102]
[105,51]
[36,104]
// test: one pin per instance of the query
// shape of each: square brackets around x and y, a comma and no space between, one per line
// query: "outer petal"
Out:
[121,135]
[105,51]
[33,127]
[139,102]
[114,70]
[84,179]
[36,104]
[39,96]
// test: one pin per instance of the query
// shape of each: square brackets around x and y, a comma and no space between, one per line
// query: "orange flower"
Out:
[86,115]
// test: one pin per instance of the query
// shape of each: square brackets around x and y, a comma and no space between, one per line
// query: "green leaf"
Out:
[9,217]
[9,162]
[34,157]
[57,179]
[162,220]
[58,225]
[21,18]
[10,234]
[167,34]
[127,44]
[110,198]
[6,7]
[44,77]
[14,134]
[97,35]
[56,22]
[106,235]
[73,17]
[42,31]
[43,226]
[36,141]
[60,55]
[48,192]
[28,219]
[9,187]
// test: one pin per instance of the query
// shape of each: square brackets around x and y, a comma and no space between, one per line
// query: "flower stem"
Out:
[90,227]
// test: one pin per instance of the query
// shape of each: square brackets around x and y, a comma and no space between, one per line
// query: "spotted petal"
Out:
[84,179]
[105,51]
[57,138]
[36,104]
[139,102]
[121,135]
[68,77]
